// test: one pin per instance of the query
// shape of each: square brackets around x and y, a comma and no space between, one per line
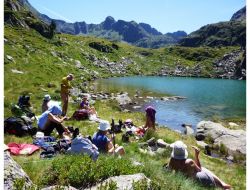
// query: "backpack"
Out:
[81,114]
[18,126]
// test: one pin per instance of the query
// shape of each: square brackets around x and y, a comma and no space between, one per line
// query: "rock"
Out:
[53,53]
[162,143]
[101,47]
[231,124]
[13,172]
[78,64]
[201,144]
[16,71]
[160,150]
[124,181]
[9,58]
[44,90]
[59,187]
[151,142]
[137,107]
[150,97]
[233,140]
[123,99]
[188,129]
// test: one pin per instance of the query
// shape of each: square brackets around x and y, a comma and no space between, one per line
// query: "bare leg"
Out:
[219,182]
[65,103]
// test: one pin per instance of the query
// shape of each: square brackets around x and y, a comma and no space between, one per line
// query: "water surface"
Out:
[206,98]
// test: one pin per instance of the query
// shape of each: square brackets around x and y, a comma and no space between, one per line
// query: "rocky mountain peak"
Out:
[107,24]
[240,15]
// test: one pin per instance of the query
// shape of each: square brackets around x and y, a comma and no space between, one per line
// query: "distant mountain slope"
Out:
[18,13]
[139,34]
[228,33]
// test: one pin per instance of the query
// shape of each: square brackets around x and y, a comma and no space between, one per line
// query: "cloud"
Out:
[57,14]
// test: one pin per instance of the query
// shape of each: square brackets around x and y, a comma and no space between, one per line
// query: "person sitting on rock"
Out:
[85,105]
[150,118]
[192,168]
[104,144]
[50,120]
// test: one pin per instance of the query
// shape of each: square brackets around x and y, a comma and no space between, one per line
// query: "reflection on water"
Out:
[205,97]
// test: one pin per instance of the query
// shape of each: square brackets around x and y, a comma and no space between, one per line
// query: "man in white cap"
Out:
[103,143]
[192,168]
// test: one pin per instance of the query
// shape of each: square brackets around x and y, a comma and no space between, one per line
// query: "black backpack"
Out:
[18,126]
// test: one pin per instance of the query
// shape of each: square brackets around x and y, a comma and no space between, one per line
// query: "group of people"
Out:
[53,117]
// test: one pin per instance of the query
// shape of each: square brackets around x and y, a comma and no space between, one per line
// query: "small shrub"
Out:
[223,149]
[111,185]
[149,134]
[81,171]
[19,184]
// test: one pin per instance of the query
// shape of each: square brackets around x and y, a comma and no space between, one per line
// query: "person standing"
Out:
[65,87]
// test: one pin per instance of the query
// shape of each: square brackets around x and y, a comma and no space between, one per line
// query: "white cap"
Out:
[47,97]
[104,125]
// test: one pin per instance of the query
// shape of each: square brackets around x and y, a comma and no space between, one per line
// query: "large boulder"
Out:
[13,172]
[123,99]
[124,181]
[233,140]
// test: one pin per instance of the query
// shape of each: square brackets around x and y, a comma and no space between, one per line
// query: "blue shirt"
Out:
[43,119]
[100,140]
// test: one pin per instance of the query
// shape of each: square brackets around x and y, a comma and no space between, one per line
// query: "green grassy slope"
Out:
[33,55]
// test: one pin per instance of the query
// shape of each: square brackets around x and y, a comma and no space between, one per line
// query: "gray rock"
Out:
[16,71]
[188,130]
[151,142]
[123,99]
[124,181]
[202,144]
[233,140]
[13,172]
[59,187]
[231,124]
[9,58]
[162,143]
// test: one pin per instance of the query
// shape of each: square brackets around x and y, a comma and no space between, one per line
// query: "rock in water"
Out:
[14,172]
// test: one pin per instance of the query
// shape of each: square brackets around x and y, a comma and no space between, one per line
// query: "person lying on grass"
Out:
[103,143]
[50,120]
[192,168]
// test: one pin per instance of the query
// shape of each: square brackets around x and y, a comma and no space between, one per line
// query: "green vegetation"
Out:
[45,61]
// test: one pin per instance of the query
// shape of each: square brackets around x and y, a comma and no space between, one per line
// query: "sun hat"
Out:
[179,151]
[39,134]
[47,97]
[104,125]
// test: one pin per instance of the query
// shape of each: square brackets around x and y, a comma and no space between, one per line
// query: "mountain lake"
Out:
[205,98]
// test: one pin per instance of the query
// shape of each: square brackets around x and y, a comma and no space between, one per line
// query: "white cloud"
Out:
[57,14]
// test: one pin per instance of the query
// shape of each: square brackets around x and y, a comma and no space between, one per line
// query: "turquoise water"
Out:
[205,97]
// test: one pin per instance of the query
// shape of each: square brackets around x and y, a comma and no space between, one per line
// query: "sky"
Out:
[164,15]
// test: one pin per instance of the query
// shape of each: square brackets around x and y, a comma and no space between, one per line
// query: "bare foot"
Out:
[226,186]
